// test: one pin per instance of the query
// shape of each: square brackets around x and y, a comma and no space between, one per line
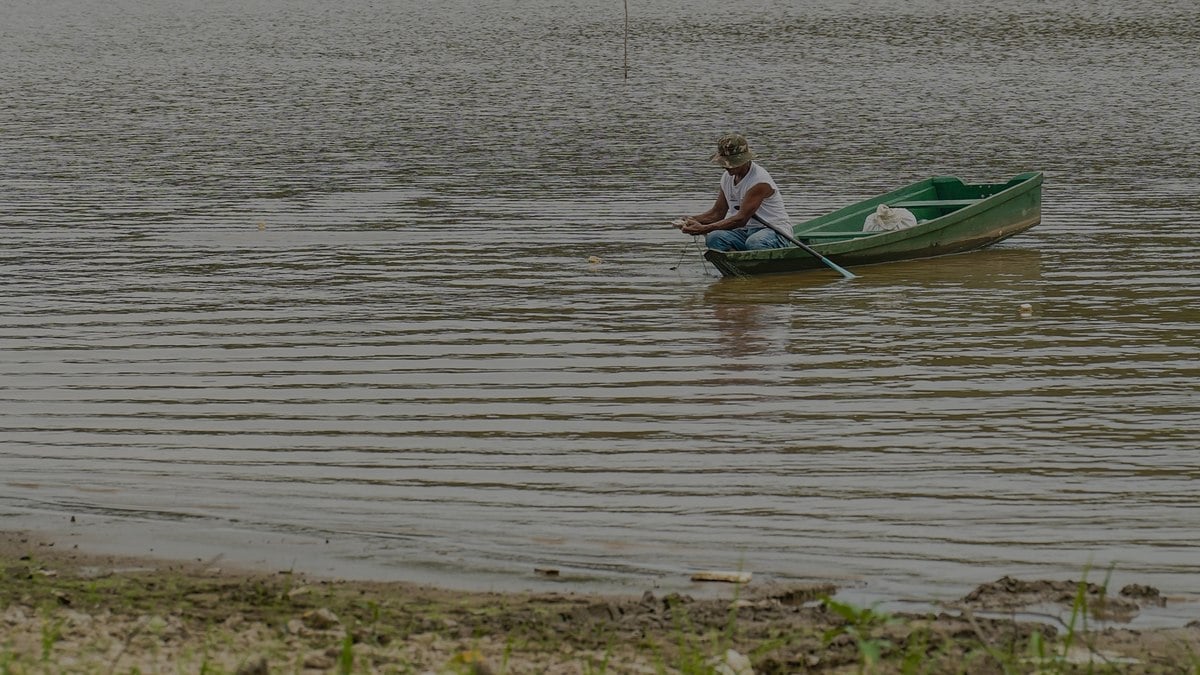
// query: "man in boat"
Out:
[747,200]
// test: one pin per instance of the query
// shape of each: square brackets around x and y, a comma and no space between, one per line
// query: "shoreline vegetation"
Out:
[67,611]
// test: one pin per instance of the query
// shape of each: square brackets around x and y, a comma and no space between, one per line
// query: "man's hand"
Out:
[689,225]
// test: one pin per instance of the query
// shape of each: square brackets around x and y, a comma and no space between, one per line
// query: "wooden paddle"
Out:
[808,249]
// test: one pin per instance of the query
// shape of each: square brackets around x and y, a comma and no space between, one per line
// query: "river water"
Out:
[387,290]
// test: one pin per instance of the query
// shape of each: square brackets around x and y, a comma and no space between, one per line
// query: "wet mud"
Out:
[82,612]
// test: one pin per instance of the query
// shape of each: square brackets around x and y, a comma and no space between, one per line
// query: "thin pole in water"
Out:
[627,39]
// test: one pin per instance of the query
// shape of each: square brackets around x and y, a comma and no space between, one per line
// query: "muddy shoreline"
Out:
[66,610]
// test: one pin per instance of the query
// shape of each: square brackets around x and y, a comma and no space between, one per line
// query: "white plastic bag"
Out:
[886,219]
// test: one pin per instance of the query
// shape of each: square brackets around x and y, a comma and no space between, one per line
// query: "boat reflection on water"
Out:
[754,316]
[996,266]
[744,325]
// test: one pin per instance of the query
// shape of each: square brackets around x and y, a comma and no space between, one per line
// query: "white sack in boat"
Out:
[886,219]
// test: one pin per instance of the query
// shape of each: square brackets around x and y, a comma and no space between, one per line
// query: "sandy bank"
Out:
[70,611]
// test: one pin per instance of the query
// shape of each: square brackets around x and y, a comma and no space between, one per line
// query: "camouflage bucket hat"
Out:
[732,151]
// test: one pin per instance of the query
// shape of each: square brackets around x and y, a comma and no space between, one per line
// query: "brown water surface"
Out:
[308,284]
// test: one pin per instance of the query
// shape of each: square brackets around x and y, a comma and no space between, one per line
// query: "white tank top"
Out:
[772,209]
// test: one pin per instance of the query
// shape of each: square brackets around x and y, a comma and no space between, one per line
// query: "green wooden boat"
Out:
[952,217]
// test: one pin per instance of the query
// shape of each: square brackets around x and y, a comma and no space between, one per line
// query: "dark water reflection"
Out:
[298,284]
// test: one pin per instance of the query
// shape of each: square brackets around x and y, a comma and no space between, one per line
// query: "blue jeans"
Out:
[744,239]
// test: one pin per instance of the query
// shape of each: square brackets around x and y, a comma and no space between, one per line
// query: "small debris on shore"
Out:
[725,577]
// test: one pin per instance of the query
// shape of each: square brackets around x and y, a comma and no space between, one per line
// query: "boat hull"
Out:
[956,217]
